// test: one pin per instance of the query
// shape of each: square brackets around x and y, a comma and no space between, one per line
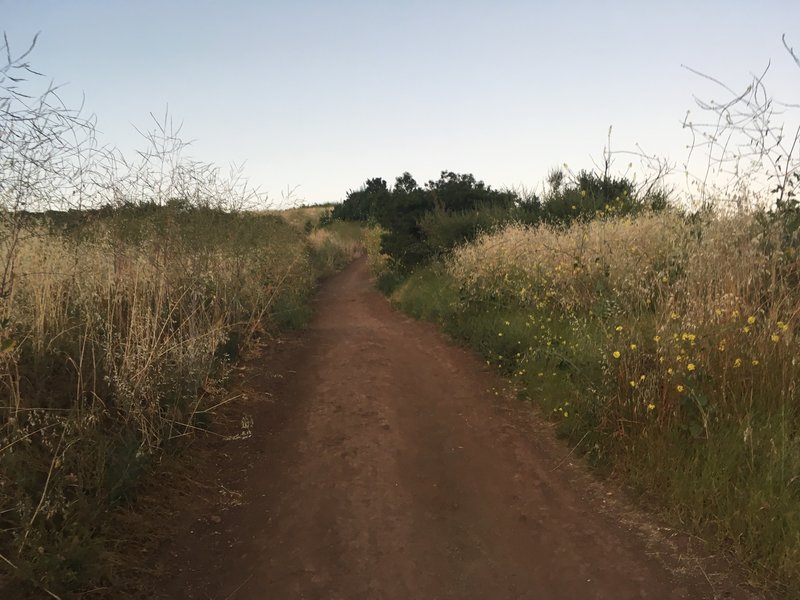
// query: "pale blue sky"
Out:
[327,94]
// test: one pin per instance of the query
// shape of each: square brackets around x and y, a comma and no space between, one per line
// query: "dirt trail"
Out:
[387,467]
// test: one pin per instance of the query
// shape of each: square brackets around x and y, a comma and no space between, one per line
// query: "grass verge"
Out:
[117,334]
[664,348]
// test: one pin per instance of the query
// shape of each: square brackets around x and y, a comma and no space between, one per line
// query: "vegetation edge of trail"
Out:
[666,361]
[134,319]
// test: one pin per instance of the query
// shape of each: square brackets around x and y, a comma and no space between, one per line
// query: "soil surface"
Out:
[385,462]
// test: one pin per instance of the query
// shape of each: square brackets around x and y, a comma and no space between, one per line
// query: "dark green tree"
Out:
[423,222]
[404,239]
[590,195]
[454,192]
[363,203]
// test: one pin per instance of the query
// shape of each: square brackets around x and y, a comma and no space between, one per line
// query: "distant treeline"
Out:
[422,222]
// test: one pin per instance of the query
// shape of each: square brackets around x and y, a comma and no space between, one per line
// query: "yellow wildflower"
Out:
[616,354]
[690,367]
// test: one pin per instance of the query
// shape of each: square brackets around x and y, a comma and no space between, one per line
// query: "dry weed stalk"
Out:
[126,286]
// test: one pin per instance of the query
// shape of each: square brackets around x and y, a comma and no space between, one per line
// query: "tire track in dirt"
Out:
[385,466]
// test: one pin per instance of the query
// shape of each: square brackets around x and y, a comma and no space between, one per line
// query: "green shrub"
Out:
[444,230]
[427,294]
[388,281]
[422,222]
[363,203]
[590,195]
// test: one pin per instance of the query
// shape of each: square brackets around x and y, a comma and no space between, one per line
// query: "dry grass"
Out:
[115,342]
[682,304]
[378,262]
[302,216]
[335,245]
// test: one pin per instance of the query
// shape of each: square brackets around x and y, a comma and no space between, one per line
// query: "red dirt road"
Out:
[385,466]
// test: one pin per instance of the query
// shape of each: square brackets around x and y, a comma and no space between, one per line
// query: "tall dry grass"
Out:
[305,217]
[335,245]
[116,337]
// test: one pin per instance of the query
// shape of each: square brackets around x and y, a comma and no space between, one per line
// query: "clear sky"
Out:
[324,95]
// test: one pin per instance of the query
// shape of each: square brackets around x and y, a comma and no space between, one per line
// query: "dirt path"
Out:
[387,467]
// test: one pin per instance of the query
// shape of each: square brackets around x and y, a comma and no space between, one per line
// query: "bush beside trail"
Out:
[422,223]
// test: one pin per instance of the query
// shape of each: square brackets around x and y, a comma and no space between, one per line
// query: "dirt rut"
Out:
[389,463]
